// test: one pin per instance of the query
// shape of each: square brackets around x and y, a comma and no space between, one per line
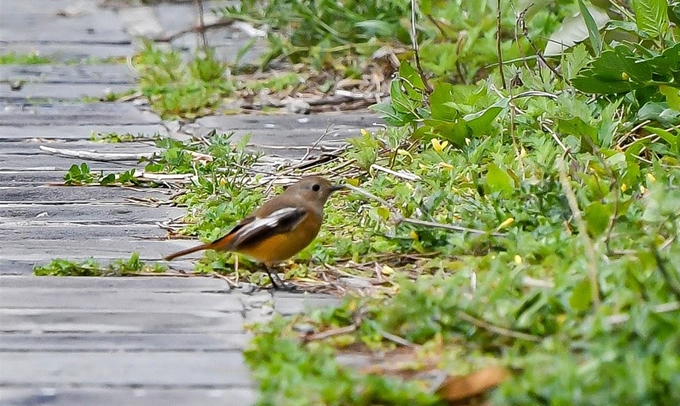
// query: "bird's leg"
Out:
[275,285]
[281,285]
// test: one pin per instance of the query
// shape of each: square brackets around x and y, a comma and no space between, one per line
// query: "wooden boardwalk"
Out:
[111,341]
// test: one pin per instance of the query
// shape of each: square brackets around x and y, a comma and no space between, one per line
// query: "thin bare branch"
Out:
[496,329]
[583,232]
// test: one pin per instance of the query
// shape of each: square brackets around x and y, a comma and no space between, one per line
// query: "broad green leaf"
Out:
[672,140]
[660,112]
[442,94]
[499,181]
[672,96]
[387,113]
[597,216]
[480,122]
[582,296]
[411,75]
[651,17]
[453,131]
[614,71]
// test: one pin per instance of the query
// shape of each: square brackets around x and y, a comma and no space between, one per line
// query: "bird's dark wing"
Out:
[259,228]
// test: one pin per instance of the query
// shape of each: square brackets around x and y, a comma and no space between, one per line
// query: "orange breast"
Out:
[280,247]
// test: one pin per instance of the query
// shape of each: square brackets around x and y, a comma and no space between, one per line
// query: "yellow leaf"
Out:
[365,133]
[624,187]
[353,181]
[506,222]
[518,260]
[414,235]
[651,178]
[445,165]
[436,145]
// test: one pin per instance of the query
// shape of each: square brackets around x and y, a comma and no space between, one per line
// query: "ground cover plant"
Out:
[566,179]
[516,222]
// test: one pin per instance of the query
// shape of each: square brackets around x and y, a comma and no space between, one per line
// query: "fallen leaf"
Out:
[457,388]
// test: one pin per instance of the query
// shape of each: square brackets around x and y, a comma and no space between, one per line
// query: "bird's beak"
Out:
[335,188]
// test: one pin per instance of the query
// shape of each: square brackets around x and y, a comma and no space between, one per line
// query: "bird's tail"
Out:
[222,244]
[187,251]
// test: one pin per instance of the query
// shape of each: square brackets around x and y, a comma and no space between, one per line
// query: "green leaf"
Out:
[108,179]
[598,217]
[672,140]
[672,96]
[411,75]
[593,31]
[390,115]
[614,71]
[582,296]
[651,17]
[443,93]
[659,112]
[499,180]
[480,122]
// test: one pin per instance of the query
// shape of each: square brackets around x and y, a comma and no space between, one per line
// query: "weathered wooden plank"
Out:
[135,396]
[73,131]
[85,232]
[28,159]
[107,342]
[105,74]
[38,21]
[66,114]
[164,284]
[88,213]
[68,52]
[59,91]
[41,251]
[32,194]
[339,121]
[107,321]
[32,147]
[192,369]
[117,301]
[49,176]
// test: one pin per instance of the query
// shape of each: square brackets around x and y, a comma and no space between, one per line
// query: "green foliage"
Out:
[321,28]
[13,58]
[457,38]
[219,194]
[579,295]
[90,267]
[647,70]
[295,375]
[80,175]
[115,138]
[176,89]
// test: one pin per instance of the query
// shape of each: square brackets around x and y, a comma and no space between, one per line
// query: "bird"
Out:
[282,227]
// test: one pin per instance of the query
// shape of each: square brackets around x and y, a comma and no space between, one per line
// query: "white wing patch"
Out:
[268,223]
[271,220]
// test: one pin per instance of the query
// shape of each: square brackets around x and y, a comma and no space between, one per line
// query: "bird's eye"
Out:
[316,187]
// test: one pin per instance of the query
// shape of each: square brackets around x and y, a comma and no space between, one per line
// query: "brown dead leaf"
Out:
[458,388]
